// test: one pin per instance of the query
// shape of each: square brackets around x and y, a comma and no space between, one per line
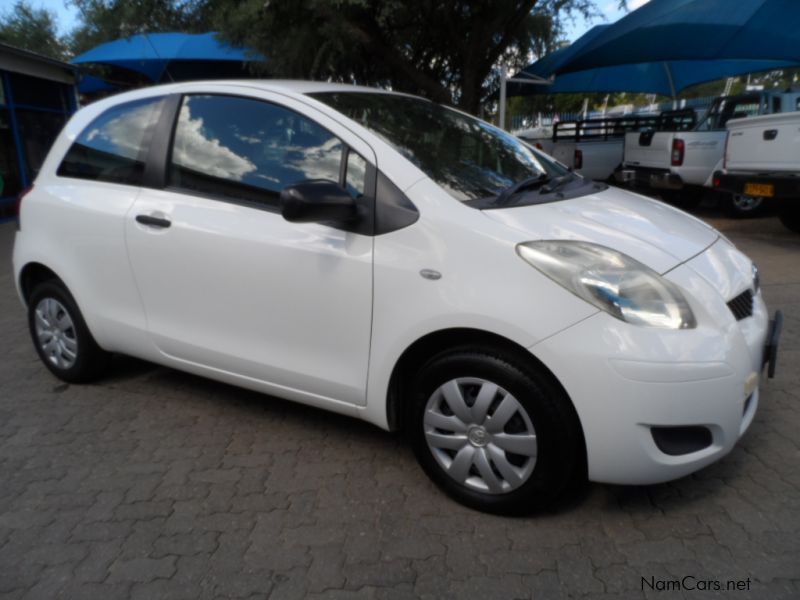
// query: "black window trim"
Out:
[396,210]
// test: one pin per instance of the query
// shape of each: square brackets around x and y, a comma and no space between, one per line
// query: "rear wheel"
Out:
[61,337]
[790,214]
[745,207]
[494,433]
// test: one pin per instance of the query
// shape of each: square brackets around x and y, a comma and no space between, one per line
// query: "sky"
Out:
[610,12]
[67,15]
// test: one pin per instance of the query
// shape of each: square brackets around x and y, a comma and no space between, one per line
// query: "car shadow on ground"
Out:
[127,372]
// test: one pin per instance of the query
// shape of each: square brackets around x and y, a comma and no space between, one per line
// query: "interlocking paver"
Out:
[157,484]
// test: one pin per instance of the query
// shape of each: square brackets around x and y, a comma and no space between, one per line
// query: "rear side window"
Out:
[113,147]
[247,149]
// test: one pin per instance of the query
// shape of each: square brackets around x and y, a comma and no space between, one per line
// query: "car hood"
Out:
[647,230]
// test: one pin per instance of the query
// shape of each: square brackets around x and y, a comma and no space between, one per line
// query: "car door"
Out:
[227,283]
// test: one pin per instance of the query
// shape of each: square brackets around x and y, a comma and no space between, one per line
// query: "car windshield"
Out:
[471,159]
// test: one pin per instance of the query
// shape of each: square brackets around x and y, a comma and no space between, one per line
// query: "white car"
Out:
[388,258]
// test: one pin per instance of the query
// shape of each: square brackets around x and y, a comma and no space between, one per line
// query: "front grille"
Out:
[742,305]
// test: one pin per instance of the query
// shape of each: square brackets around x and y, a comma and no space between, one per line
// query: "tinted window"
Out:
[113,147]
[468,157]
[248,149]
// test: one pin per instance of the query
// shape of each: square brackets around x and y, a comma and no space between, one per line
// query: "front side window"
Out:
[113,147]
[248,149]
[469,158]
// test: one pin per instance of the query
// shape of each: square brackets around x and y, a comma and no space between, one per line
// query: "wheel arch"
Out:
[32,274]
[432,343]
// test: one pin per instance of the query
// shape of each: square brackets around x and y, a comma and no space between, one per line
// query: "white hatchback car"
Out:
[385,257]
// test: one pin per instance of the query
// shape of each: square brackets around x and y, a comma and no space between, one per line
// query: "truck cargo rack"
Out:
[615,128]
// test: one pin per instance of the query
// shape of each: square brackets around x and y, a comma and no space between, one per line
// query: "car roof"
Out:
[284,86]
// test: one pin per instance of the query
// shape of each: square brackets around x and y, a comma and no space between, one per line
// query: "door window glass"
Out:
[248,149]
[113,147]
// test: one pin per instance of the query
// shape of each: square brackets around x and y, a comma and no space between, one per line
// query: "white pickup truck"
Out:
[680,165]
[594,147]
[762,160]
[540,137]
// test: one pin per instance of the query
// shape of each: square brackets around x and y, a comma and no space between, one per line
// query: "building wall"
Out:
[36,99]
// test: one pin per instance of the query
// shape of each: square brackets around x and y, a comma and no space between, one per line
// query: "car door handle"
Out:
[152,221]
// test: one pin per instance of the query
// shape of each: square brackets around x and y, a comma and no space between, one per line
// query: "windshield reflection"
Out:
[468,157]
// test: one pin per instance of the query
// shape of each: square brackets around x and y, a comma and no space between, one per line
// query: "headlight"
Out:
[612,281]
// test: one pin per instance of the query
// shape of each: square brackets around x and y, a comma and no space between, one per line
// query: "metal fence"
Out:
[548,119]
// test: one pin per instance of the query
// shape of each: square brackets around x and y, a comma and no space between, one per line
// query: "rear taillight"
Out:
[538,146]
[678,150]
[22,194]
[578,158]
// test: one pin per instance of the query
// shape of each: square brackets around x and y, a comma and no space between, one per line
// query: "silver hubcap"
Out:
[480,435]
[56,333]
[745,203]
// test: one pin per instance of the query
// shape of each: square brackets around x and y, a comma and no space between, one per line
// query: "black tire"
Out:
[560,456]
[743,207]
[90,361]
[790,214]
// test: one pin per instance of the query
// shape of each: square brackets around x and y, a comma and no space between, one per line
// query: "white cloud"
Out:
[634,4]
[195,151]
[124,132]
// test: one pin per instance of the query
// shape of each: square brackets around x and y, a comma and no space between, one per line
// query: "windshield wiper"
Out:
[557,183]
[504,196]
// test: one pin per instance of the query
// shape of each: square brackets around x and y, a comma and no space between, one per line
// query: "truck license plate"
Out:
[759,190]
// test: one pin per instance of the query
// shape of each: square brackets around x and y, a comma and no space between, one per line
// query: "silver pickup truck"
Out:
[762,161]
[681,165]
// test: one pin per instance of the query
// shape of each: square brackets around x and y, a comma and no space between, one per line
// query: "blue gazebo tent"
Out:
[160,55]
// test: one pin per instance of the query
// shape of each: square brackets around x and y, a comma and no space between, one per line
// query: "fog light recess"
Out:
[677,441]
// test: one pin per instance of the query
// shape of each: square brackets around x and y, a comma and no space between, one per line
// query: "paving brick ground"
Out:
[157,484]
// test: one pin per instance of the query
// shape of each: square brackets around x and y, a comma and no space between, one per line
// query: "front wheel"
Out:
[61,337]
[495,433]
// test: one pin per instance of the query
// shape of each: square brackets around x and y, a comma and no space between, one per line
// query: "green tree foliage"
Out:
[448,51]
[32,29]
[105,20]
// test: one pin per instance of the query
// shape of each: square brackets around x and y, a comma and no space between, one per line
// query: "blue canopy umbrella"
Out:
[665,77]
[89,84]
[152,54]
[705,30]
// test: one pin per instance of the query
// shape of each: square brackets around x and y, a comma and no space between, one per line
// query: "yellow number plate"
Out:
[759,190]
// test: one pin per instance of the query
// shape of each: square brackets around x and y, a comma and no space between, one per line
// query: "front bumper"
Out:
[627,382]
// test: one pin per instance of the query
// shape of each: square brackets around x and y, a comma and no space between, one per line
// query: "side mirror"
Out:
[317,201]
